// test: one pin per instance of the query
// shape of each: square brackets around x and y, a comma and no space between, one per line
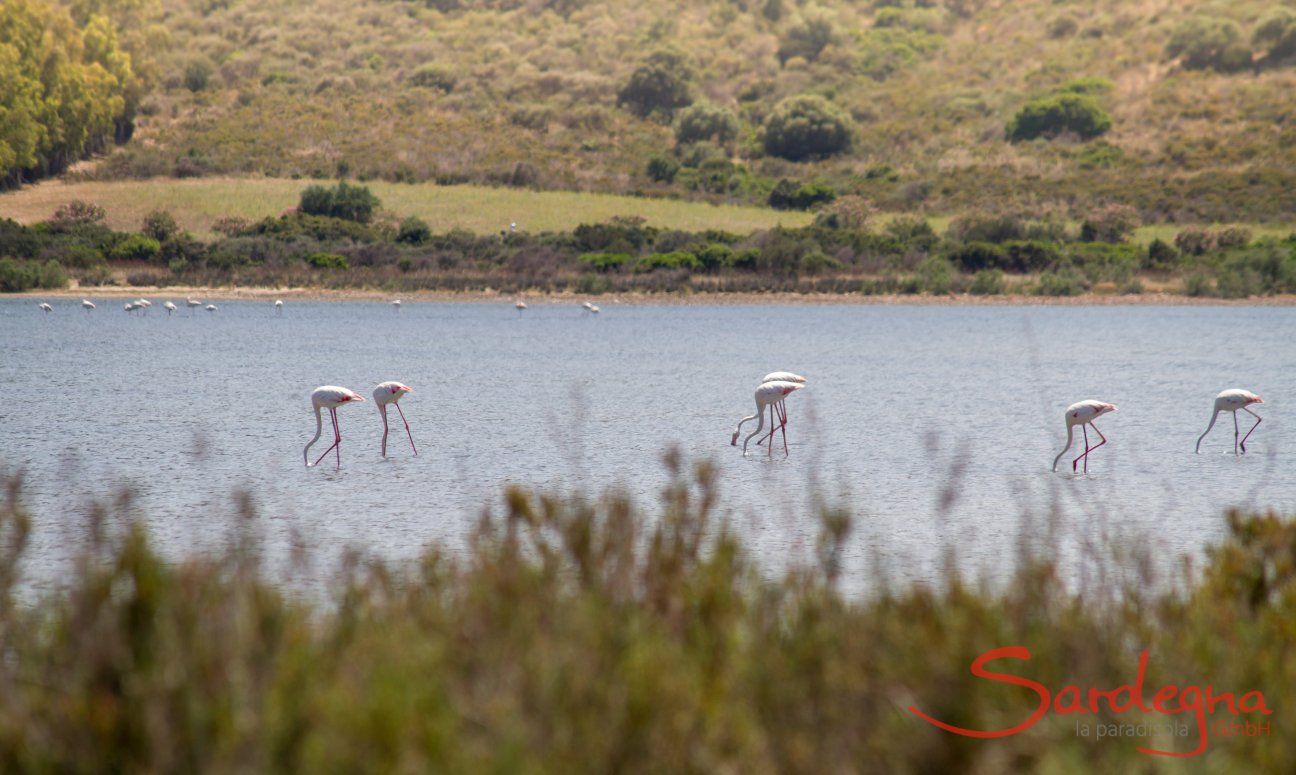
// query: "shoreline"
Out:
[664,299]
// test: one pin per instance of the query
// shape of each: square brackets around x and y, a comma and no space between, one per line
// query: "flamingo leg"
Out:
[1235,434]
[337,440]
[384,439]
[783,427]
[407,430]
[1253,427]
[782,414]
[1083,455]
[1096,446]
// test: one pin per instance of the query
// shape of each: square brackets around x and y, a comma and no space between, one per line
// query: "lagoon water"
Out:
[938,424]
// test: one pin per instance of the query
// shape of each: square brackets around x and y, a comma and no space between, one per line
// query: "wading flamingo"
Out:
[390,393]
[781,376]
[767,395]
[279,306]
[87,305]
[594,310]
[143,304]
[169,307]
[211,307]
[129,306]
[1231,401]
[519,305]
[329,397]
[396,305]
[46,307]
[1083,413]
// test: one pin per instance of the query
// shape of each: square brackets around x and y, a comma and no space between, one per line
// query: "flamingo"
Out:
[767,395]
[46,307]
[519,305]
[87,305]
[191,302]
[391,393]
[1083,413]
[169,307]
[593,309]
[587,308]
[143,304]
[781,406]
[330,397]
[211,308]
[1231,401]
[396,305]
[129,306]
[279,306]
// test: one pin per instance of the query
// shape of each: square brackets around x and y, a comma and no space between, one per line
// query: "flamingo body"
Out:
[169,307]
[46,307]
[391,393]
[1083,413]
[329,397]
[87,305]
[1232,400]
[767,396]
[211,308]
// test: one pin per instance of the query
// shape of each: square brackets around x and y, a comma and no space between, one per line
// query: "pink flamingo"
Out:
[332,397]
[1083,413]
[767,395]
[781,406]
[1231,401]
[390,393]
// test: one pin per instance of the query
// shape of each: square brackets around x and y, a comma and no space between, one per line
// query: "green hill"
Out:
[1181,109]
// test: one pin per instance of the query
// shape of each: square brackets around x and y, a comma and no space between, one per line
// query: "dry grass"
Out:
[198,203]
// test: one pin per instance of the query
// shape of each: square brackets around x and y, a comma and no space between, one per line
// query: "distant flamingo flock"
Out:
[770,399]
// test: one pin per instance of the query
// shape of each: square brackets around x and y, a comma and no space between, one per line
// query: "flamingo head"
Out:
[1255,400]
[353,397]
[1107,408]
[399,388]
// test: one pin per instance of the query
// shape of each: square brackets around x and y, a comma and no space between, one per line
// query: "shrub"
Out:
[1092,85]
[676,260]
[345,201]
[77,213]
[987,227]
[618,235]
[1057,114]
[196,75]
[1030,255]
[806,40]
[913,230]
[1161,255]
[328,261]
[1195,241]
[432,76]
[818,262]
[936,275]
[806,127]
[987,282]
[605,262]
[159,225]
[976,256]
[706,122]
[787,195]
[135,247]
[662,169]
[848,212]
[660,84]
[1064,282]
[1208,43]
[17,275]
[1276,34]
[17,240]
[1198,284]
[1232,237]
[413,231]
[884,51]
[1111,223]
[715,255]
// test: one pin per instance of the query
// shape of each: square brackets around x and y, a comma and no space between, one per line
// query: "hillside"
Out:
[533,94]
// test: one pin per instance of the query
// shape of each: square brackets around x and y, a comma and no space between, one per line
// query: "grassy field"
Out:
[197,203]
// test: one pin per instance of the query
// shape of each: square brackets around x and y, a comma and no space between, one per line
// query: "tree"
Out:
[1276,34]
[1057,114]
[705,121]
[660,84]
[345,201]
[807,127]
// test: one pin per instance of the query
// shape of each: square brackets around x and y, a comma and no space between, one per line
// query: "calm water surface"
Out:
[939,423]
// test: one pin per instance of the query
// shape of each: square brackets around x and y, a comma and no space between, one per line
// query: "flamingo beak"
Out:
[1258,400]
[407,389]
[358,398]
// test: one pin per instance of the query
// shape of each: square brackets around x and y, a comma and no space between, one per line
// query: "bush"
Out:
[77,213]
[17,240]
[1232,237]
[807,127]
[884,51]
[715,255]
[1065,282]
[987,282]
[706,122]
[987,227]
[413,231]
[433,77]
[159,225]
[1276,34]
[660,84]
[913,230]
[1057,114]
[806,40]
[662,169]
[1208,43]
[135,247]
[1112,223]
[676,260]
[17,275]
[345,201]
[936,275]
[1161,255]
[196,75]
[849,212]
[328,261]
[605,262]
[976,256]
[1195,241]
[787,195]
[1030,255]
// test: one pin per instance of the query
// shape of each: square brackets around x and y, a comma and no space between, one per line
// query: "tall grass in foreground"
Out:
[585,634]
